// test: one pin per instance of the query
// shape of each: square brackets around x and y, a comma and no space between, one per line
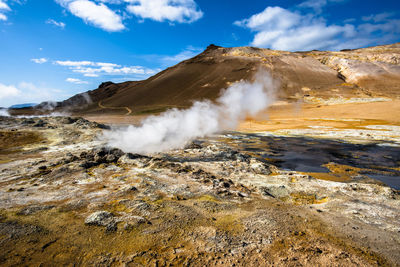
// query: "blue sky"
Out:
[53,49]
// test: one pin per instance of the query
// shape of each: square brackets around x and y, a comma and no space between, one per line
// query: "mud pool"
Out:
[313,156]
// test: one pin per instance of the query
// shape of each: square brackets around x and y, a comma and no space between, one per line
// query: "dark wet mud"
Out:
[311,155]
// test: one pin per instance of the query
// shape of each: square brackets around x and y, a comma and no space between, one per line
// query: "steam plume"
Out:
[87,98]
[4,113]
[175,128]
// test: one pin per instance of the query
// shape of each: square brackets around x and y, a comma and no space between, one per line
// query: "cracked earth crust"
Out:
[68,199]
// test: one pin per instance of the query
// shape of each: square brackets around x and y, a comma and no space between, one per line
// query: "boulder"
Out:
[99,218]
[275,191]
[102,218]
[259,167]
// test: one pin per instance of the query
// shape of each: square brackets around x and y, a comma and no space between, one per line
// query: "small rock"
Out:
[98,159]
[111,227]
[68,120]
[241,194]
[110,158]
[87,164]
[138,219]
[128,227]
[194,145]
[137,160]
[134,222]
[225,184]
[259,167]
[132,189]
[275,191]
[40,123]
[42,168]
[33,209]
[28,121]
[102,218]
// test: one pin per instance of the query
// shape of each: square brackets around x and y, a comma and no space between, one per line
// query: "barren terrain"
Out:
[313,180]
[240,198]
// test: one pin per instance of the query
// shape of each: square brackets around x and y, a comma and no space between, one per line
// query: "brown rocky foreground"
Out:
[234,199]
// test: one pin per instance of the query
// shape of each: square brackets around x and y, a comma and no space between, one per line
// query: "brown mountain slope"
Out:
[303,76]
[201,77]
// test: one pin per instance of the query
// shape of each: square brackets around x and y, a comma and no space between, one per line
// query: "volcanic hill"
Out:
[307,77]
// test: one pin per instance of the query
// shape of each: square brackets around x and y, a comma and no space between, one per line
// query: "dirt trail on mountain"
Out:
[129,111]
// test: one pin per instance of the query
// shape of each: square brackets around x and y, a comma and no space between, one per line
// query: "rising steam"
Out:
[175,128]
[4,113]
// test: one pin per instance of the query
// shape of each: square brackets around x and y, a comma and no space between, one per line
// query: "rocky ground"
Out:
[68,199]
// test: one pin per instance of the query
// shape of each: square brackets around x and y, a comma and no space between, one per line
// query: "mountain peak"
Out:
[212,47]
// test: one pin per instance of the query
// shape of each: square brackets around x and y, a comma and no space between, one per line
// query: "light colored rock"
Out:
[99,218]
[259,167]
[276,191]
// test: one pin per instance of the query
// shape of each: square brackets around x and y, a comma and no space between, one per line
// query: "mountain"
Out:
[303,76]
[25,105]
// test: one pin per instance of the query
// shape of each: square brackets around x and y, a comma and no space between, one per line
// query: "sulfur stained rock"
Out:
[33,209]
[259,167]
[102,218]
[275,191]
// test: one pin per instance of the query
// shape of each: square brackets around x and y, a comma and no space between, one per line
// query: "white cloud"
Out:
[282,29]
[189,52]
[271,19]
[98,15]
[317,5]
[95,69]
[3,8]
[73,63]
[56,23]
[378,17]
[109,14]
[90,75]
[183,11]
[39,60]
[390,27]
[7,91]
[112,2]
[76,81]
[25,92]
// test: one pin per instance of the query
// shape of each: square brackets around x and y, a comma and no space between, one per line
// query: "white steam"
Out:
[87,98]
[53,114]
[175,128]
[48,105]
[4,113]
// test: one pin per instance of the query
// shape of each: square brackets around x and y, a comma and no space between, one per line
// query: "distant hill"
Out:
[367,72]
[26,105]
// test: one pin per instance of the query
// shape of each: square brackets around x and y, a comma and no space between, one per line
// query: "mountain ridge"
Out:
[303,76]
